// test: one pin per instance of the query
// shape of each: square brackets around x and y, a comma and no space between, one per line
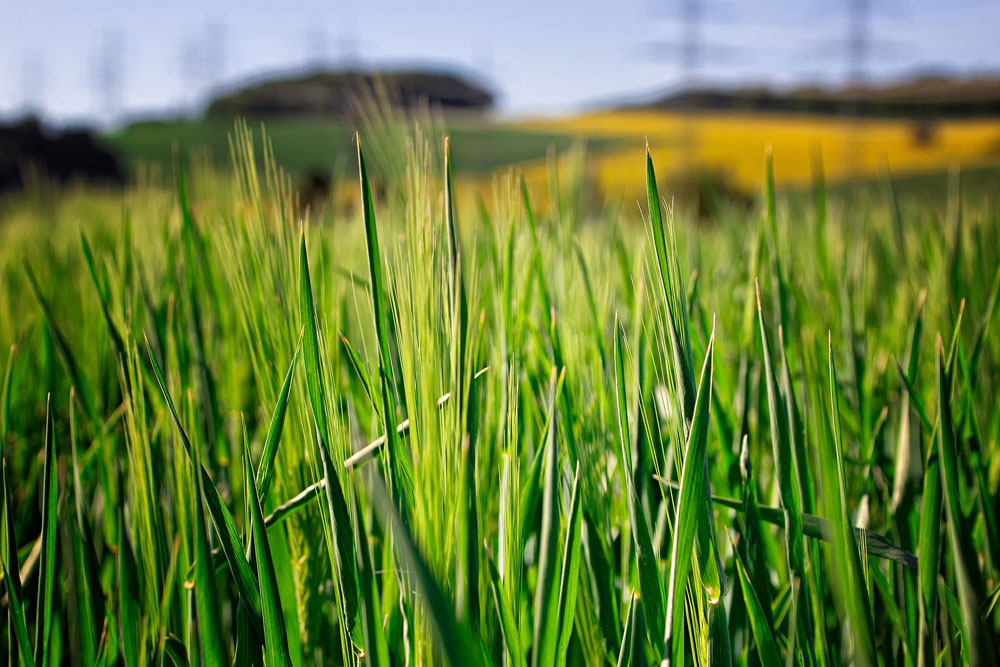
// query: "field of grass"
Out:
[437,433]
[724,146]
[302,145]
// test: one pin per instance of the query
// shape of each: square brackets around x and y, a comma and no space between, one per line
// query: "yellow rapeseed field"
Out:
[732,144]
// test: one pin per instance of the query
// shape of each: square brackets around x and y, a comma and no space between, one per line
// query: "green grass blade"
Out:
[693,494]
[546,610]
[651,597]
[5,397]
[129,605]
[44,609]
[275,637]
[569,579]
[752,541]
[65,353]
[454,639]
[376,649]
[467,560]
[103,299]
[362,370]
[338,515]
[847,572]
[265,468]
[968,577]
[209,613]
[783,456]
[929,553]
[85,581]
[232,547]
[392,451]
[679,344]
[762,629]
[505,614]
[631,653]
[17,628]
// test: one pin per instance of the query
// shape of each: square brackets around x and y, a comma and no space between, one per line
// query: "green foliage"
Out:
[441,432]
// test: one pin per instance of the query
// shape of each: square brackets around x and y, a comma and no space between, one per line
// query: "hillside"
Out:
[337,92]
[922,96]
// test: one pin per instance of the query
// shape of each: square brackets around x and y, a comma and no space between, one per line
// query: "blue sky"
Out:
[544,55]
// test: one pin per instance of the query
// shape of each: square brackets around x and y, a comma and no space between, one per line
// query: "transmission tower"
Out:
[32,82]
[317,46]
[109,76]
[214,55]
[690,51]
[858,40]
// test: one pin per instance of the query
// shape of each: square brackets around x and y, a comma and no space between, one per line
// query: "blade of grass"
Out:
[211,638]
[967,575]
[17,628]
[232,547]
[631,653]
[376,649]
[340,523]
[508,626]
[546,610]
[275,638]
[44,611]
[453,639]
[392,451]
[569,579]
[651,597]
[265,468]
[759,624]
[848,577]
[693,494]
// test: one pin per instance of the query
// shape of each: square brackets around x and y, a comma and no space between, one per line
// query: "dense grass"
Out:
[519,433]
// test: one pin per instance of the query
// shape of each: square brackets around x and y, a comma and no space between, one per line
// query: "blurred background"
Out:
[104,91]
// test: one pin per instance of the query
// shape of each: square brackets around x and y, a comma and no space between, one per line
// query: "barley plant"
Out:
[514,428]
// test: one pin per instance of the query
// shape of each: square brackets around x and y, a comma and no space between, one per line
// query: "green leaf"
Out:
[649,571]
[376,650]
[631,653]
[393,454]
[44,610]
[783,455]
[103,299]
[453,638]
[968,578]
[569,579]
[232,547]
[5,395]
[929,554]
[212,639]
[65,353]
[17,628]
[338,515]
[763,632]
[848,578]
[467,561]
[85,587]
[546,610]
[265,468]
[505,614]
[275,638]
[129,607]
[693,495]
[681,357]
